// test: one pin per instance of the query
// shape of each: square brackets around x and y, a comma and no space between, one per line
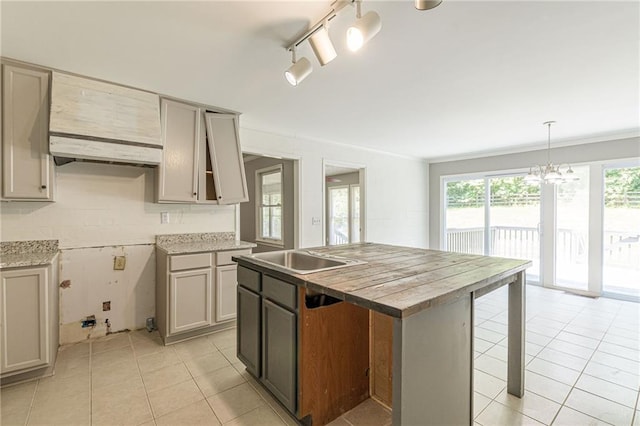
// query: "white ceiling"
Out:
[468,76]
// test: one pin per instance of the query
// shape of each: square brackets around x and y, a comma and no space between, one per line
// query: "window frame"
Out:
[275,242]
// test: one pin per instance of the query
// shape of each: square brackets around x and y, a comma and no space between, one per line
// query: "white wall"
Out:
[106,210]
[396,187]
[102,211]
[105,204]
[575,154]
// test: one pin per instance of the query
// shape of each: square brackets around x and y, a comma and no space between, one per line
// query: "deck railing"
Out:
[524,243]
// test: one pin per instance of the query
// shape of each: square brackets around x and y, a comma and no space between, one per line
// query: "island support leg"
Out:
[433,366]
[516,338]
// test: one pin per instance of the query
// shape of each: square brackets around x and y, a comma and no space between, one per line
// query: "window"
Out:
[269,204]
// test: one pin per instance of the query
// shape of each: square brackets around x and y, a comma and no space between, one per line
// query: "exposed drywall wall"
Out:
[396,187]
[248,209]
[575,154]
[102,210]
[89,271]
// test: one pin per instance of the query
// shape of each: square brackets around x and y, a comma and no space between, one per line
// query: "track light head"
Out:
[298,71]
[363,30]
[322,46]
[427,4]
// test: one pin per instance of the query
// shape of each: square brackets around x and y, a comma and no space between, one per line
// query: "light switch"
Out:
[164,217]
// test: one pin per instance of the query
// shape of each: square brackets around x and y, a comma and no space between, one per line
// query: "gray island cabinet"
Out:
[318,342]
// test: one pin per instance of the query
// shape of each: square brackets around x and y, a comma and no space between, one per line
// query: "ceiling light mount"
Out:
[550,173]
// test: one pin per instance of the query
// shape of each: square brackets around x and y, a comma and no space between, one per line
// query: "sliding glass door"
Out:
[572,232]
[621,232]
[465,227]
[582,236]
[514,221]
[497,216]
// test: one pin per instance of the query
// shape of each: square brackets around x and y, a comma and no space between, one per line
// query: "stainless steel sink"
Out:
[302,261]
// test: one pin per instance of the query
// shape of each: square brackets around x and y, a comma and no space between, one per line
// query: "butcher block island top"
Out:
[404,333]
[400,281]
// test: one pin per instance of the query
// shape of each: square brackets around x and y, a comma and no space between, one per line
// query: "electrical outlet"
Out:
[106,306]
[119,262]
[164,217]
[89,321]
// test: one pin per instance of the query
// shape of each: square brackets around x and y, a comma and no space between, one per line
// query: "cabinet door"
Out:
[226,158]
[226,282]
[178,172]
[24,316]
[279,353]
[27,173]
[189,300]
[249,330]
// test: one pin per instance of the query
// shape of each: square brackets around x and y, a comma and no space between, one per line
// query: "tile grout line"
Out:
[196,383]
[581,373]
[33,398]
[543,348]
[146,394]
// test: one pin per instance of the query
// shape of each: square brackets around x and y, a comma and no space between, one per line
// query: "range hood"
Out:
[97,121]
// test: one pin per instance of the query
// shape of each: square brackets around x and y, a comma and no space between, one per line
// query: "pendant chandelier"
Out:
[550,173]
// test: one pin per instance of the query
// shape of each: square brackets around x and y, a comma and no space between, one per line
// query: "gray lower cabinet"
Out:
[195,293]
[267,333]
[249,331]
[189,300]
[279,354]
[28,321]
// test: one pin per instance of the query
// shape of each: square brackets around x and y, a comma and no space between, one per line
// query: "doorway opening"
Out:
[344,204]
[270,217]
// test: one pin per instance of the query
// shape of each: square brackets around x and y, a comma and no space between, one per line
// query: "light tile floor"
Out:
[583,368]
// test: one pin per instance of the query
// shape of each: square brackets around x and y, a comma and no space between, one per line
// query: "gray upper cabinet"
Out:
[27,170]
[181,135]
[202,159]
[226,158]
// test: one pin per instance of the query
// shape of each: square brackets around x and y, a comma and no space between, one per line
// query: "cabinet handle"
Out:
[43,187]
[195,193]
[219,197]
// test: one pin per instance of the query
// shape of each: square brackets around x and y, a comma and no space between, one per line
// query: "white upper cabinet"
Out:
[27,172]
[85,107]
[226,158]
[181,135]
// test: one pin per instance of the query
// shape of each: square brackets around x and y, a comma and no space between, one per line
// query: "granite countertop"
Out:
[400,281]
[200,242]
[16,254]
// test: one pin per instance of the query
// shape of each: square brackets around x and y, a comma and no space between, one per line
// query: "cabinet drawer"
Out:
[249,278]
[190,261]
[224,257]
[280,292]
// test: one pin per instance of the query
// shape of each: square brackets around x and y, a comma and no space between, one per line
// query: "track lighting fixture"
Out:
[427,4]
[300,69]
[322,45]
[364,29]
[360,32]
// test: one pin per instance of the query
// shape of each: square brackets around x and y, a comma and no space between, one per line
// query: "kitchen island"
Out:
[429,295]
